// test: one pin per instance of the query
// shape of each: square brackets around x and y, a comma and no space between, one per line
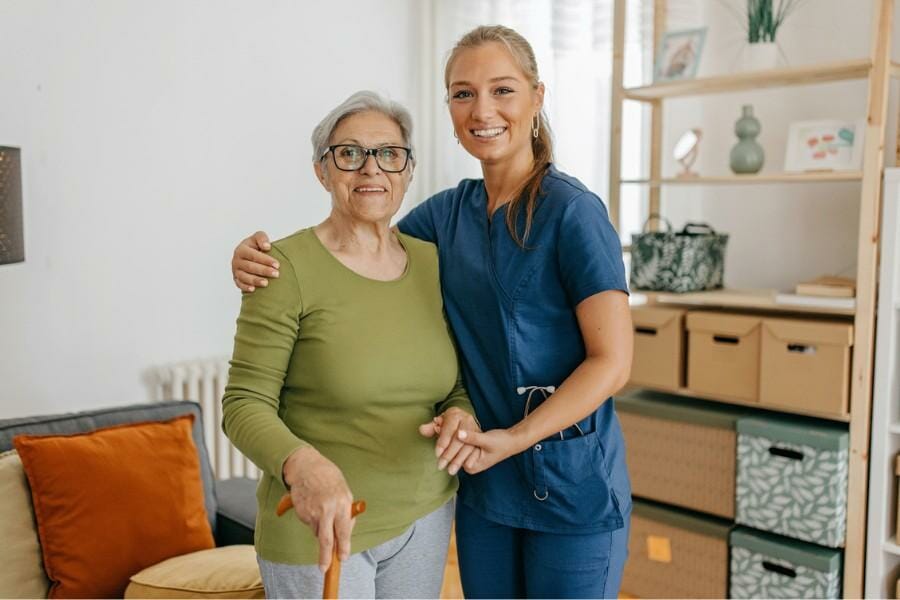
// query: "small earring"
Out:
[536,125]
[456,136]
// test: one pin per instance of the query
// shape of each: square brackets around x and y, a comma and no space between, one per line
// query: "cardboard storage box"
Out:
[681,451]
[675,554]
[806,365]
[792,478]
[768,566]
[723,355]
[658,347]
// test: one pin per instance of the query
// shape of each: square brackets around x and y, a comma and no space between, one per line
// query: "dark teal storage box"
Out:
[764,565]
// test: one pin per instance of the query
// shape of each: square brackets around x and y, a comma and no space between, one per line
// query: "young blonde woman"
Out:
[534,288]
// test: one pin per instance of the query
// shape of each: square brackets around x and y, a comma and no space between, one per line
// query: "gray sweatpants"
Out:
[410,565]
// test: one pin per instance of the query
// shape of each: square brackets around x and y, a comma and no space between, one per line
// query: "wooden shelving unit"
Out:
[785,77]
[877,70]
[725,400]
[759,178]
[754,300]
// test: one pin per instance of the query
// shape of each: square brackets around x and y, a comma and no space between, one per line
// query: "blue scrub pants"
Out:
[498,561]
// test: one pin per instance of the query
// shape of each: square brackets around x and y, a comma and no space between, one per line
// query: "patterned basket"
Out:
[690,260]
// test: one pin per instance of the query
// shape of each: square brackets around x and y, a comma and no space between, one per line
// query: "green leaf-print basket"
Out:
[690,260]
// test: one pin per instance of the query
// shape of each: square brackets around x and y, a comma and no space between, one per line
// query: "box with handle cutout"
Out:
[792,478]
[770,566]
[658,347]
[805,365]
[723,355]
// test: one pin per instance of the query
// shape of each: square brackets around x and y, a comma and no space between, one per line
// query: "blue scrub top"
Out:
[513,314]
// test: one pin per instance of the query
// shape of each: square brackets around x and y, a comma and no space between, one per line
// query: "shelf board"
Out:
[783,77]
[891,546]
[727,298]
[740,402]
[806,177]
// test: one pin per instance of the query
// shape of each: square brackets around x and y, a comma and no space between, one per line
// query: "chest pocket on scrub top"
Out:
[564,459]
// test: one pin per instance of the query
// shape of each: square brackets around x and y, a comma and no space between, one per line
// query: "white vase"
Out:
[762,56]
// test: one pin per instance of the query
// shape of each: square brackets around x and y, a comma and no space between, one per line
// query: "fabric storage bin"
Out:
[769,566]
[675,554]
[805,365]
[723,355]
[658,347]
[681,451]
[792,478]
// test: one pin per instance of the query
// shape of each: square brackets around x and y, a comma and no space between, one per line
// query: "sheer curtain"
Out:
[572,40]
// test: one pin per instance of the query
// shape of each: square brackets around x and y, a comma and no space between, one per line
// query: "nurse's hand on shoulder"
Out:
[322,500]
[251,267]
[490,448]
[451,453]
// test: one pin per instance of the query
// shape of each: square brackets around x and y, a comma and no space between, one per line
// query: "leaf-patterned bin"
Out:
[792,478]
[764,565]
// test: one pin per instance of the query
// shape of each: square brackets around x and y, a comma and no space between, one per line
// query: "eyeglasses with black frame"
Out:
[352,157]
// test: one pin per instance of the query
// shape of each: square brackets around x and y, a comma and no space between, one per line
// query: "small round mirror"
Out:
[685,151]
[687,142]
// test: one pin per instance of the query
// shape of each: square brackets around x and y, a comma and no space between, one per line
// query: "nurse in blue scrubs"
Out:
[534,288]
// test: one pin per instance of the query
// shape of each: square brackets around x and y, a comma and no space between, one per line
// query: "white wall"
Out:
[780,234]
[154,136]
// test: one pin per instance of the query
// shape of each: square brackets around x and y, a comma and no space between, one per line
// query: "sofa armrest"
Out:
[236,519]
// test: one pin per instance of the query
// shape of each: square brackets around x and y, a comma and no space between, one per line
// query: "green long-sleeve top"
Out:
[352,366]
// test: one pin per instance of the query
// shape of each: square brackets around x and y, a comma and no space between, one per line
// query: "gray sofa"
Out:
[230,504]
[229,570]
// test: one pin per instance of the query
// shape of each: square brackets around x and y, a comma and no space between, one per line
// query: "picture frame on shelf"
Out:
[679,54]
[825,145]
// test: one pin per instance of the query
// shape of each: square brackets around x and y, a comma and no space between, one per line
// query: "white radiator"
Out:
[204,381]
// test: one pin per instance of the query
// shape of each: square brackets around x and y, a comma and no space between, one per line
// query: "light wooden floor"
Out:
[452,587]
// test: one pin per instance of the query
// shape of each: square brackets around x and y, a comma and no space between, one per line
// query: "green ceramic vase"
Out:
[747,155]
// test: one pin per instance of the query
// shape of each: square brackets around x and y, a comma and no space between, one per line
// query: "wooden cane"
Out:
[333,574]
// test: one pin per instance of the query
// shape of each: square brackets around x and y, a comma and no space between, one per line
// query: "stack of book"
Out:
[826,292]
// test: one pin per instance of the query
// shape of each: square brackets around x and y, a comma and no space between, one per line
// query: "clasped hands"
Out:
[322,498]
[461,444]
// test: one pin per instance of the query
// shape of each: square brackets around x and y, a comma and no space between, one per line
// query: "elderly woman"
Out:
[336,363]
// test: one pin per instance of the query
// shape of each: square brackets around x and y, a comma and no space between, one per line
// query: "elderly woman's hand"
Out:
[322,500]
[250,265]
[448,448]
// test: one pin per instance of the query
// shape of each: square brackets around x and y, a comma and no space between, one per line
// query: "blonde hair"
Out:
[542,145]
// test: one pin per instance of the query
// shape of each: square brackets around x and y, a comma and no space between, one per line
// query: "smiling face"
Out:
[493,103]
[369,194]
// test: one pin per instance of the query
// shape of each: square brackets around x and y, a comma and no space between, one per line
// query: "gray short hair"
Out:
[362,101]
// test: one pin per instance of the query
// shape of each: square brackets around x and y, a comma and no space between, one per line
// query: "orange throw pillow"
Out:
[113,502]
